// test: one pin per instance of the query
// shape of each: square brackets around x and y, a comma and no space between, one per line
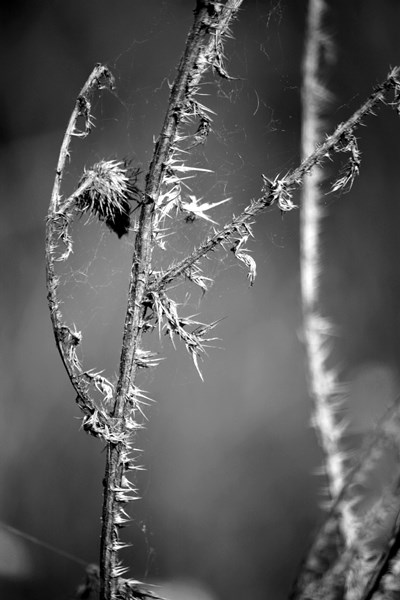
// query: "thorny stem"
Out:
[82,108]
[323,151]
[116,426]
[212,20]
[133,328]
[292,180]
[322,381]
[325,555]
[99,78]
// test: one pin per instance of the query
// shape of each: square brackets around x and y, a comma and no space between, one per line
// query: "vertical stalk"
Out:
[141,266]
[322,380]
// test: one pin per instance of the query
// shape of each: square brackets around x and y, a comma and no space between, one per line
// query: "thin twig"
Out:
[277,190]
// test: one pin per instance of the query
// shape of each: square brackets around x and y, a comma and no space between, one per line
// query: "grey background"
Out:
[230,496]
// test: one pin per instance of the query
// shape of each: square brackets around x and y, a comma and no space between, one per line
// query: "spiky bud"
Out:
[107,189]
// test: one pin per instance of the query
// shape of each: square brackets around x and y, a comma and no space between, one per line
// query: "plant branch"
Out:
[67,339]
[195,61]
[280,191]
[327,565]
[324,388]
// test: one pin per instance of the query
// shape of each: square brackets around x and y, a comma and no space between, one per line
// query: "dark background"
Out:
[230,498]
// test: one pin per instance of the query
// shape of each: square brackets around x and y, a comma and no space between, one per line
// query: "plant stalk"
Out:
[141,267]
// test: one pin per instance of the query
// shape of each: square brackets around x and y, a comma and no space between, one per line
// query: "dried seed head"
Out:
[110,185]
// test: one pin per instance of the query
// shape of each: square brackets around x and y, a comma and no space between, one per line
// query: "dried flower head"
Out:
[107,189]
